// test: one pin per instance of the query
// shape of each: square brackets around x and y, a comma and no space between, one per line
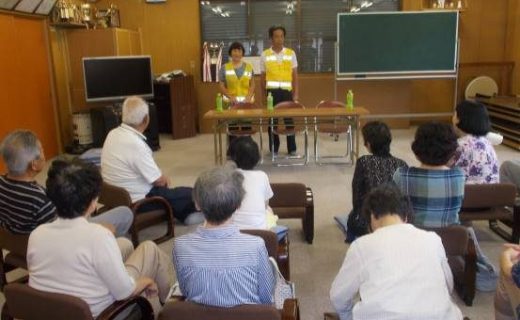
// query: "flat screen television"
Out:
[115,78]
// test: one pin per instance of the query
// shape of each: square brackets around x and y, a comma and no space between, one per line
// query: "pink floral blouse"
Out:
[477,158]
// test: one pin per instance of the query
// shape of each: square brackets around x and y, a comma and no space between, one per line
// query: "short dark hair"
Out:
[236,45]
[218,193]
[473,118]
[72,185]
[272,29]
[435,143]
[244,152]
[377,134]
[387,199]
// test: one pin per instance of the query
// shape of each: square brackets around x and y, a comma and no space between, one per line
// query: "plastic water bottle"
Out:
[219,102]
[270,106]
[350,100]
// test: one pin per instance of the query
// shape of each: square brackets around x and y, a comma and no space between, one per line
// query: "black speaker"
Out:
[103,120]
[107,118]
[152,132]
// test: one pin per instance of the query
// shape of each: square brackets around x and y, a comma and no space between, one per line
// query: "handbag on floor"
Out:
[283,289]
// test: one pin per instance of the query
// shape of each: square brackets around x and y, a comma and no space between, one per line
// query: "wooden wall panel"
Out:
[25,85]
[171,34]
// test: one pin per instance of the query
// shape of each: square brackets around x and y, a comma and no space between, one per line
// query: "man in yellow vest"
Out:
[279,77]
[237,83]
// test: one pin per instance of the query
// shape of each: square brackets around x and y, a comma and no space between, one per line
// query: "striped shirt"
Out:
[24,206]
[223,267]
[436,195]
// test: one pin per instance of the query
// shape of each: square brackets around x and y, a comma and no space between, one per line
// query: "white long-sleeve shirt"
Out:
[400,272]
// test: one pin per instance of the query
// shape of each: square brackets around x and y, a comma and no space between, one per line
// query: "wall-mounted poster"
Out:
[27,6]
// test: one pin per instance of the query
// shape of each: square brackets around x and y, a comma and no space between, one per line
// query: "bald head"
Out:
[135,111]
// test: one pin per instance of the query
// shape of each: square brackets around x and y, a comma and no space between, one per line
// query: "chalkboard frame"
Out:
[451,72]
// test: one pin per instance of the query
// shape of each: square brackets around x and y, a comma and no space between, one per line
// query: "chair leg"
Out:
[3,279]
[515,229]
[470,274]
[5,313]
[308,218]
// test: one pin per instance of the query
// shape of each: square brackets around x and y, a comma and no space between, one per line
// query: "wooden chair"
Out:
[279,250]
[281,128]
[336,127]
[16,244]
[462,258]
[186,310]
[495,203]
[294,201]
[24,302]
[112,196]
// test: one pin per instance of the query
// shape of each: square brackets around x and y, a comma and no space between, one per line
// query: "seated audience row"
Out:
[23,202]
[75,257]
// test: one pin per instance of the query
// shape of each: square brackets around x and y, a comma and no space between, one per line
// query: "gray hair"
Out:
[135,109]
[218,193]
[19,148]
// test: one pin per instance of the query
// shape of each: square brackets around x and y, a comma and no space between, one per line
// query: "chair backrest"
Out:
[454,239]
[288,195]
[483,86]
[289,105]
[270,239]
[338,125]
[15,243]
[330,104]
[112,196]
[187,310]
[488,195]
[244,106]
[24,302]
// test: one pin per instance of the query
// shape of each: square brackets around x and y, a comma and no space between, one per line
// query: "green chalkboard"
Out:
[397,43]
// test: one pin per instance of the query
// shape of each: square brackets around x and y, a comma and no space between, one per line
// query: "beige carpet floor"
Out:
[313,267]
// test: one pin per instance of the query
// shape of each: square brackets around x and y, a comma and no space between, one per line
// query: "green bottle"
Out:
[270,106]
[219,102]
[350,100]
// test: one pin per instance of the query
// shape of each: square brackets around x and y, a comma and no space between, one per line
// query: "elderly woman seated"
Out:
[72,256]
[217,265]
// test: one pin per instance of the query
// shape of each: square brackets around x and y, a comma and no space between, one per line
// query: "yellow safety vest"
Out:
[238,87]
[278,74]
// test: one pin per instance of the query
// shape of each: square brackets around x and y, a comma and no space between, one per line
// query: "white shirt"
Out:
[252,212]
[400,272]
[279,58]
[127,162]
[78,258]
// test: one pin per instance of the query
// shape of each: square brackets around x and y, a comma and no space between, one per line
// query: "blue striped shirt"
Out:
[223,267]
[436,195]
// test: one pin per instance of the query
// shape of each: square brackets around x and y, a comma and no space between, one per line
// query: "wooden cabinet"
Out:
[93,43]
[504,113]
[176,108]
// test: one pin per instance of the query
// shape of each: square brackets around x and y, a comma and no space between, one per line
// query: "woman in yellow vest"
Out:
[237,83]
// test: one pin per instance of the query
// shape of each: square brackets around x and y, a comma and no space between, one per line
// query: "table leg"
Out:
[220,160]
[356,126]
[215,147]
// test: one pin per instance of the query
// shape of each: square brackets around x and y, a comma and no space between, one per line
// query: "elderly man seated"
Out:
[23,202]
[127,162]
[72,256]
[217,265]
